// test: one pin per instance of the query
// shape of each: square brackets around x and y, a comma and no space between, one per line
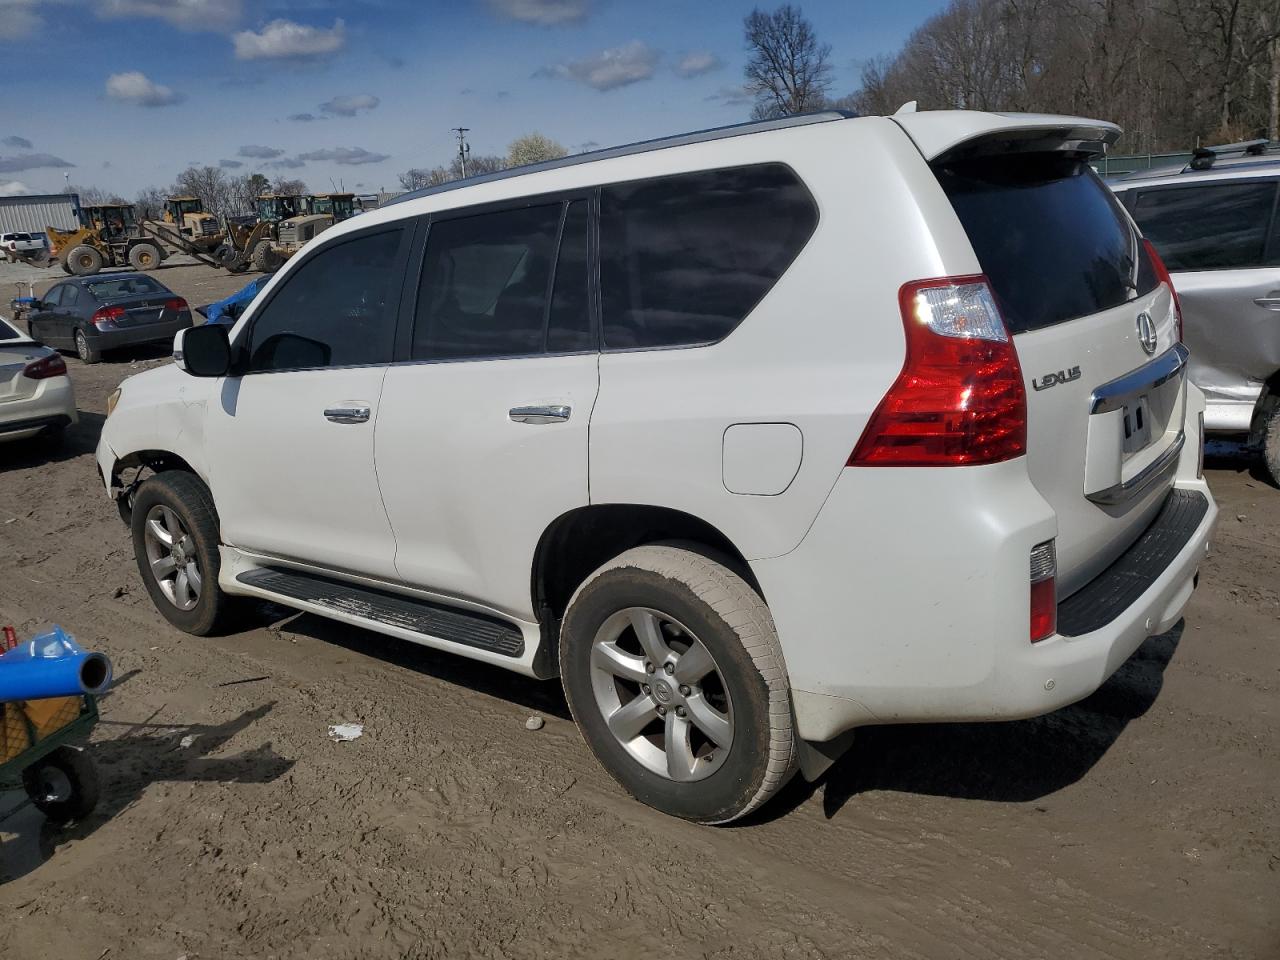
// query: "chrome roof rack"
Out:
[630,149]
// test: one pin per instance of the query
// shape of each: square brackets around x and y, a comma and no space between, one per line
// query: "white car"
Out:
[752,436]
[36,396]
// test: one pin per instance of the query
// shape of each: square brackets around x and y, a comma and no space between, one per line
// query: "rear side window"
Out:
[70,296]
[337,309]
[7,332]
[1207,227]
[684,259]
[1050,237]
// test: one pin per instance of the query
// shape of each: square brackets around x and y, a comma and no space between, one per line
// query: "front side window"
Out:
[338,309]
[685,258]
[54,297]
[485,283]
[1207,227]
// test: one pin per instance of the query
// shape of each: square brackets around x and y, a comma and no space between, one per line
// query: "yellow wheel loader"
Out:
[252,244]
[108,236]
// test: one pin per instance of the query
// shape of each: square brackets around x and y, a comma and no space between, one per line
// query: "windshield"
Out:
[124,287]
[322,205]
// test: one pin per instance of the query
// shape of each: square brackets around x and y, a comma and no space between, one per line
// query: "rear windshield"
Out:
[124,287]
[9,333]
[1050,237]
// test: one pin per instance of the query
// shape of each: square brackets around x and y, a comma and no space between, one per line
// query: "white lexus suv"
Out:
[752,436]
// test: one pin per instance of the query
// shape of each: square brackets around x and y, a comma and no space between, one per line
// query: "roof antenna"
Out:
[908,107]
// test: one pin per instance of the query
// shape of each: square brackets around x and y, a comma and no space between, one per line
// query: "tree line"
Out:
[531,148]
[222,195]
[1172,73]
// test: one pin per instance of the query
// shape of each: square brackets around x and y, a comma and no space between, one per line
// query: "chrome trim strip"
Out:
[1112,395]
[551,413]
[1135,487]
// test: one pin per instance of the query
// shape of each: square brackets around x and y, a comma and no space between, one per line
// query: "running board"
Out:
[407,613]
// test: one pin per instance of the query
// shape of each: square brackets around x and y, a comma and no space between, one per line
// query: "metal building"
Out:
[33,212]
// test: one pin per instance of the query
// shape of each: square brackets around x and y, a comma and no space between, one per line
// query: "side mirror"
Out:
[203,351]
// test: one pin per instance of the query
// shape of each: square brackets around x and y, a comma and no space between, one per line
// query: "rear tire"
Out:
[144,256]
[1271,443]
[265,258]
[83,261]
[64,785]
[674,674]
[86,351]
[175,543]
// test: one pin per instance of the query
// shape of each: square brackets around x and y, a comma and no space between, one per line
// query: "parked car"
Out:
[1213,221]
[752,436]
[36,396]
[97,313]
[16,246]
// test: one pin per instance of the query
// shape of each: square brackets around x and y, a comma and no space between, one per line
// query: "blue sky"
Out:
[129,92]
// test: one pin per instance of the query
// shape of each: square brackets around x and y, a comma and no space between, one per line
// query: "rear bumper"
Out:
[890,619]
[52,405]
[132,336]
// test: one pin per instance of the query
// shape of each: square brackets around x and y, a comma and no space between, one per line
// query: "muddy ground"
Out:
[1142,822]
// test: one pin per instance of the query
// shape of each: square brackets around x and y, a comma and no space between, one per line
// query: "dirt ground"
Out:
[1142,822]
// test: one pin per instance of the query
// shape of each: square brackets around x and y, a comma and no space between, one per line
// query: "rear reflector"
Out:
[1044,591]
[51,366]
[1162,274]
[960,399]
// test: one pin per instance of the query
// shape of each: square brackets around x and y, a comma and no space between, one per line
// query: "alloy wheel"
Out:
[172,559]
[661,694]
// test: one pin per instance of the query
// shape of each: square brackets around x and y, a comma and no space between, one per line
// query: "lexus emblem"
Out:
[1147,332]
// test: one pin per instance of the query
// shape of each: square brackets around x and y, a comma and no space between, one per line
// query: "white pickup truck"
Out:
[21,246]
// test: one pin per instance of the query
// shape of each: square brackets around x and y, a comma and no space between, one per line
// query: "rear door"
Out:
[1096,335]
[1219,241]
[482,440]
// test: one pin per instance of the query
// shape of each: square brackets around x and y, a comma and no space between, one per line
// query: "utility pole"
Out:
[464,149]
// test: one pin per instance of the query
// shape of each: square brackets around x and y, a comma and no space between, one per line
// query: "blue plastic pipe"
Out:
[52,665]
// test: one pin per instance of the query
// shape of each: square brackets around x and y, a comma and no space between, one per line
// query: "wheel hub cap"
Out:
[661,694]
[171,558]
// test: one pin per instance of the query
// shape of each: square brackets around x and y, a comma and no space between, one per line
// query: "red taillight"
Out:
[960,399]
[176,304]
[1162,274]
[1044,591]
[51,366]
[106,316]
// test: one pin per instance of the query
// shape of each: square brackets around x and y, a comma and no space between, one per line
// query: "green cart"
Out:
[60,779]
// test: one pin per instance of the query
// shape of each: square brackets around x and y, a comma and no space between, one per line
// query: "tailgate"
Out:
[1094,328]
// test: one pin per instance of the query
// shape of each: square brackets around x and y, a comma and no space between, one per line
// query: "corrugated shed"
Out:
[34,212]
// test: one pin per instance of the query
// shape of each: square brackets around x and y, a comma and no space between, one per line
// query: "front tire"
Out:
[144,256]
[265,258]
[83,261]
[674,674]
[175,543]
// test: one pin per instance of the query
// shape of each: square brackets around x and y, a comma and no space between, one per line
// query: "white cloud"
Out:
[304,117]
[18,143]
[230,164]
[259,153]
[545,13]
[31,161]
[18,19]
[216,15]
[286,40]
[697,63]
[349,106]
[12,188]
[288,163]
[347,156]
[610,69]
[137,88]
[733,96]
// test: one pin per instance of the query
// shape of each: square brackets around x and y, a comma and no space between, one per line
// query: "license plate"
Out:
[1137,425]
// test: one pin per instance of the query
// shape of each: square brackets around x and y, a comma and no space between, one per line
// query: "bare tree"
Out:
[149,204]
[788,71]
[89,196]
[288,186]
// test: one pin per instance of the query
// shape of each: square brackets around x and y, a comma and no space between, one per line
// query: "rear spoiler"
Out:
[948,135]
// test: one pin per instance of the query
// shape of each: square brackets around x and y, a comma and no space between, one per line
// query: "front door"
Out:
[290,438]
[482,441]
[42,324]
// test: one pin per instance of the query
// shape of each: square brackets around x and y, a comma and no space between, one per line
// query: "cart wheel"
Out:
[64,785]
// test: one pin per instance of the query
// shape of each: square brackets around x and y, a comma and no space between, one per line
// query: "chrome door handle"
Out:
[1271,303]
[549,413]
[347,414]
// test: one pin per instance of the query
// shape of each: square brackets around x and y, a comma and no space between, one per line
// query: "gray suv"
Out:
[1214,223]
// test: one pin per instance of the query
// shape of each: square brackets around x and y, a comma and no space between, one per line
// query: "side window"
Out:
[70,296]
[1210,227]
[485,282]
[337,309]
[569,322]
[684,259]
[54,297]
